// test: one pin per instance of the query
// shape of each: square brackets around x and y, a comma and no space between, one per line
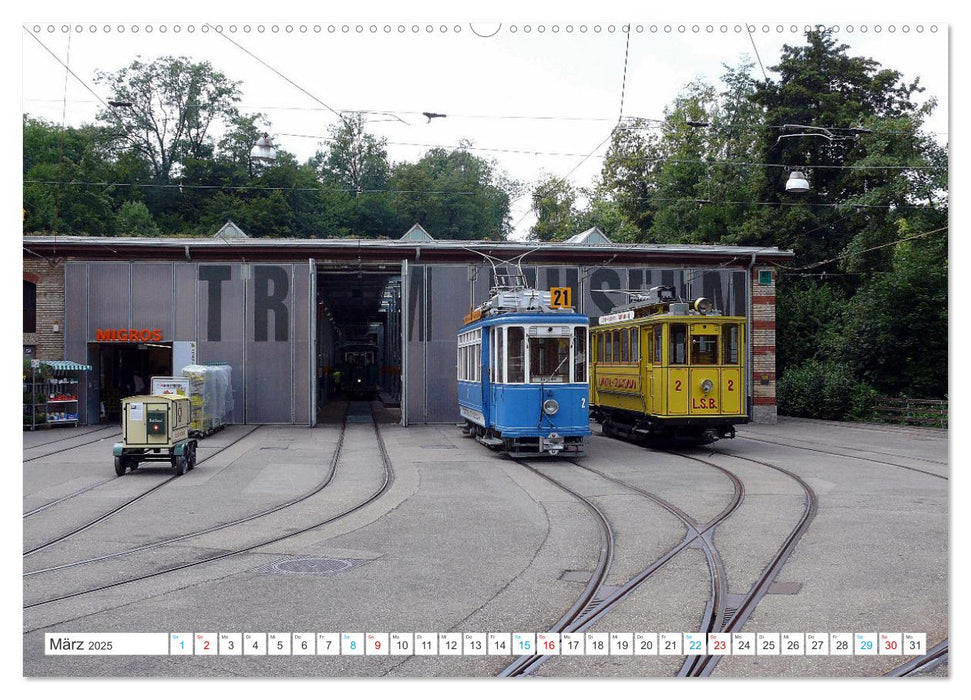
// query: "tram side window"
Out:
[704,349]
[500,347]
[676,354]
[658,344]
[515,369]
[730,344]
[598,339]
[634,354]
[579,354]
[618,355]
[625,345]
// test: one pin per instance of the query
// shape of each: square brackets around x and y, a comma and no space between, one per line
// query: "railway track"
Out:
[937,655]
[847,456]
[68,497]
[387,481]
[70,447]
[850,447]
[70,437]
[117,509]
[732,620]
[320,486]
[594,602]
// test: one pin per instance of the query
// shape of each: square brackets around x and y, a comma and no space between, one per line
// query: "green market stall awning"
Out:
[66,366]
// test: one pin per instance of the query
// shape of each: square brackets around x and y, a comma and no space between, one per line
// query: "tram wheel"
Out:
[120,466]
[181,464]
[191,455]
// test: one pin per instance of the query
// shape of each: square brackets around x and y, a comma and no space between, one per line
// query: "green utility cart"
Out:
[155,429]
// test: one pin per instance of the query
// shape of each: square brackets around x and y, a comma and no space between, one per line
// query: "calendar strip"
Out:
[506,644]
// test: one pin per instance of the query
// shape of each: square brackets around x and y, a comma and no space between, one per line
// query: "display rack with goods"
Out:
[51,393]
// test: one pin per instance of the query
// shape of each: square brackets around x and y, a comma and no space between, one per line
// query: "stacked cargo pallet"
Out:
[211,397]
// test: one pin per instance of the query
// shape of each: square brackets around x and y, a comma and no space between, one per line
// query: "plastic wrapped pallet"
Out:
[211,396]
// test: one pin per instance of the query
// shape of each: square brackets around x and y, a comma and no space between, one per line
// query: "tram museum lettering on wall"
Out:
[271,286]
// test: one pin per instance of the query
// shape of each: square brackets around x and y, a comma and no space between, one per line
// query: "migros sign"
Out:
[127,335]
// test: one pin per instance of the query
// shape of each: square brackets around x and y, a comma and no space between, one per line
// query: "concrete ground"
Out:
[464,540]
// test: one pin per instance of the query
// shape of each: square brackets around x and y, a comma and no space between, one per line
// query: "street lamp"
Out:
[797,183]
[263,151]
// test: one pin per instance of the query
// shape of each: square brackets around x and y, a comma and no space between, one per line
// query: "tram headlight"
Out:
[707,386]
[551,406]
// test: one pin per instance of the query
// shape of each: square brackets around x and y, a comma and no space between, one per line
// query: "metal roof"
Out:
[126,248]
[592,236]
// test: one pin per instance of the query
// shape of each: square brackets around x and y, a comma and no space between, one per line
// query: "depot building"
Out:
[277,310]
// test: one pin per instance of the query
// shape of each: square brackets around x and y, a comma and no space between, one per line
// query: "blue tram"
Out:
[522,375]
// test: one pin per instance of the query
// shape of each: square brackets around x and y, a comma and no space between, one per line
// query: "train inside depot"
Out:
[664,369]
[522,371]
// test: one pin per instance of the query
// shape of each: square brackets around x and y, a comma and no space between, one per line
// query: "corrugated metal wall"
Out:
[254,317]
[257,318]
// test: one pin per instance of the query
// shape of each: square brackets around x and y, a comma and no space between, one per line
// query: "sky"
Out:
[538,97]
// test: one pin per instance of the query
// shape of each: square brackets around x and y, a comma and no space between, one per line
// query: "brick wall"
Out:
[763,348]
[50,308]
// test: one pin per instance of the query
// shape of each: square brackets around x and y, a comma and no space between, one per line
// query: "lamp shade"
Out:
[263,150]
[797,183]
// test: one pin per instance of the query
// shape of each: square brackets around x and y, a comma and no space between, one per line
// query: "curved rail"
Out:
[699,666]
[320,486]
[72,447]
[117,509]
[526,664]
[387,482]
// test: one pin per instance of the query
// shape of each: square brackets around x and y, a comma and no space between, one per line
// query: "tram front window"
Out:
[549,360]
[704,349]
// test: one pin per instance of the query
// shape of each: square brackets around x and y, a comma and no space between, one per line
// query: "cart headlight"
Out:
[550,407]
[707,386]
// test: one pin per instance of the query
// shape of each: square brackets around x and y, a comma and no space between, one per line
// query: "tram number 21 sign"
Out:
[561,297]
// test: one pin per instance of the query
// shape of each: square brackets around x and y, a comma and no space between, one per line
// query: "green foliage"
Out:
[454,195]
[809,315]
[895,328]
[554,203]
[174,102]
[826,390]
[864,307]
[355,160]
[134,219]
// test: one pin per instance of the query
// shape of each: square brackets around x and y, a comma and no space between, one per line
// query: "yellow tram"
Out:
[663,369]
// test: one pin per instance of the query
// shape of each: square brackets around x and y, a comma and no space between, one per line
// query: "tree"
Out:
[65,171]
[355,160]
[134,219]
[454,195]
[554,203]
[236,145]
[174,102]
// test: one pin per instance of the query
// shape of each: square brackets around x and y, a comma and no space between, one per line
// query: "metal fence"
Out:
[925,412]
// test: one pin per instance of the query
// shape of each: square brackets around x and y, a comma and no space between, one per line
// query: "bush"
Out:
[825,390]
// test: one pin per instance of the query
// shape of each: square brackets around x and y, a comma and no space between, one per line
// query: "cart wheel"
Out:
[120,466]
[181,464]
